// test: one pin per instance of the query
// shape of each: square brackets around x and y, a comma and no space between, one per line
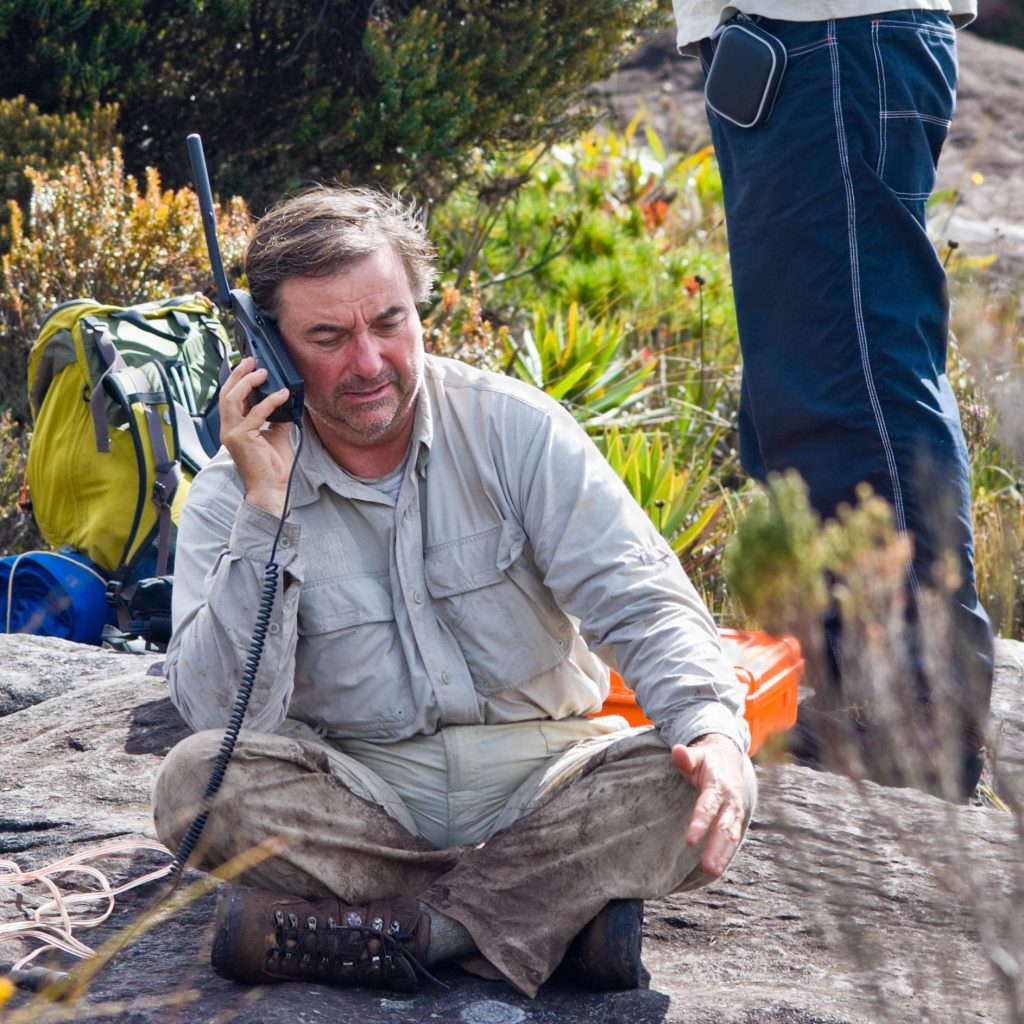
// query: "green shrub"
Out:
[17,527]
[676,499]
[46,142]
[599,267]
[586,365]
[284,91]
[776,562]
[92,231]
[631,236]
[603,221]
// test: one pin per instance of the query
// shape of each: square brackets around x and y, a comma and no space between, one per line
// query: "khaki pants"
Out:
[520,832]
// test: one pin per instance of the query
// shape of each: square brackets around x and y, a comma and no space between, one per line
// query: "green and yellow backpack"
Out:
[124,408]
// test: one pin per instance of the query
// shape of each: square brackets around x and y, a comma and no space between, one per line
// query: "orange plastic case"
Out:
[770,666]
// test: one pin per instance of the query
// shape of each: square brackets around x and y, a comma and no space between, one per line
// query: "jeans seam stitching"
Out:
[880,72]
[860,327]
[916,27]
[904,115]
[799,51]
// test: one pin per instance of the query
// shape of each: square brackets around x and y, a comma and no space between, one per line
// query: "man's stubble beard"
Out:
[364,434]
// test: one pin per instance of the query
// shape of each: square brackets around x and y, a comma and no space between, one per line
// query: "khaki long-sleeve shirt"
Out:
[696,19]
[512,553]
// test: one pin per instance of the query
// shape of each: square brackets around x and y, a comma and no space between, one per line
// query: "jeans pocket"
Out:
[917,78]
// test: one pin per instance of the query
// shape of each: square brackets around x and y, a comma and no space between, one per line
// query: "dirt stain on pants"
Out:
[602,820]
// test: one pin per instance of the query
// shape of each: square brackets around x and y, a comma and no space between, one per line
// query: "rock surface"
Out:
[847,904]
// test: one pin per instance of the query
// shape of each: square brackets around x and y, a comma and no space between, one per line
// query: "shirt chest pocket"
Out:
[507,632]
[343,604]
[350,671]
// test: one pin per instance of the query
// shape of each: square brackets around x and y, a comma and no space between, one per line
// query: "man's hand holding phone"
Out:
[261,450]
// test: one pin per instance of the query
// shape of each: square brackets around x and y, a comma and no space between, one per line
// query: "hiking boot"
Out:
[264,936]
[606,954]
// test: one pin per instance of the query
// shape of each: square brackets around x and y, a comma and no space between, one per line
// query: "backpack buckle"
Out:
[159,494]
[113,592]
[165,484]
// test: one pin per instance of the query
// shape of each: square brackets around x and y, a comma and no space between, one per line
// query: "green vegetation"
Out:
[595,269]
[625,243]
[285,92]
[670,495]
[45,143]
[93,230]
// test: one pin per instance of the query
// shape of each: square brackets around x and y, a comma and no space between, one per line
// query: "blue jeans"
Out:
[841,299]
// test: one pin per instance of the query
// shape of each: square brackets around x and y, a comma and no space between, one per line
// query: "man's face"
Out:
[357,341]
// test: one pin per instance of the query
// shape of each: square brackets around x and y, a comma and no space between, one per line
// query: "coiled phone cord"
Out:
[252,664]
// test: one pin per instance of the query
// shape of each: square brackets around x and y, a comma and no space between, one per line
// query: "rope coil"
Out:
[56,919]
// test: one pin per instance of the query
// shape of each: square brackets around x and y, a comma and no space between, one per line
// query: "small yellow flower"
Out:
[6,990]
[977,178]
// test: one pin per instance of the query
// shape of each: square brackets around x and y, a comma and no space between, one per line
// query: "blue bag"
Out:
[54,593]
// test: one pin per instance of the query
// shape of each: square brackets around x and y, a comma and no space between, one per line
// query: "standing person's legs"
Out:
[842,304]
[603,820]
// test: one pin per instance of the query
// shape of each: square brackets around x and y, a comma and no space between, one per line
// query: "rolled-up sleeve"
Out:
[220,575]
[607,566]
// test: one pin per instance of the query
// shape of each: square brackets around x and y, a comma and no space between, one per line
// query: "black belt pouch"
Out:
[745,74]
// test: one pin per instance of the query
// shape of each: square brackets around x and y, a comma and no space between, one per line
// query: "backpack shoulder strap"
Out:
[55,346]
[130,385]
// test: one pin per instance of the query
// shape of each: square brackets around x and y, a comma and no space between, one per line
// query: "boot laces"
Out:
[350,947]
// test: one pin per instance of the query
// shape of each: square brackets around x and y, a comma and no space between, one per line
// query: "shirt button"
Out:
[417,597]
[286,542]
[445,678]
[273,628]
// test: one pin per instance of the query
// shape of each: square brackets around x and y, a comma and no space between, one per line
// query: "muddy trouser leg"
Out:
[605,823]
[346,832]
[604,820]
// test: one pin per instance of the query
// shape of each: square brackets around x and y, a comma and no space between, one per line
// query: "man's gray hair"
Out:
[327,229]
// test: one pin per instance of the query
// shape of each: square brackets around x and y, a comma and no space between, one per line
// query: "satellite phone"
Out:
[259,334]
[261,339]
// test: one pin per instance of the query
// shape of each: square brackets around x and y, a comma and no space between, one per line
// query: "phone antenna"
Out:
[202,180]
